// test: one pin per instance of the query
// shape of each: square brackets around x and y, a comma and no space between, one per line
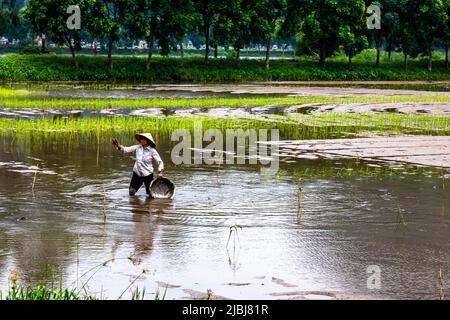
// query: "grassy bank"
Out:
[39,101]
[169,69]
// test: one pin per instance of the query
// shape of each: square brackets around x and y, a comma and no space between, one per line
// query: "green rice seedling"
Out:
[158,295]
[440,285]
[375,122]
[299,200]
[78,259]
[298,127]
[34,180]
[401,220]
[104,203]
[94,270]
[135,260]
[21,101]
[234,232]
[144,271]
[209,294]
[443,178]
[137,294]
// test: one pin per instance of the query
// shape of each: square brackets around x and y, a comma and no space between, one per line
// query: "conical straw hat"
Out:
[148,136]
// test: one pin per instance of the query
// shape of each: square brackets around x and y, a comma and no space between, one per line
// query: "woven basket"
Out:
[162,188]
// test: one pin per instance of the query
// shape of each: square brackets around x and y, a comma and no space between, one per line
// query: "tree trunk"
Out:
[206,31]
[430,58]
[181,49]
[378,56]
[322,56]
[72,51]
[268,53]
[216,51]
[95,48]
[446,56]
[238,57]
[389,55]
[406,60]
[350,62]
[110,47]
[43,43]
[150,51]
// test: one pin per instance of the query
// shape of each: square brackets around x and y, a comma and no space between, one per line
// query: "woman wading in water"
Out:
[143,167]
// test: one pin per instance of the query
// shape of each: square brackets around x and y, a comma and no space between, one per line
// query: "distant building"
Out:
[39,40]
[4,41]
[142,44]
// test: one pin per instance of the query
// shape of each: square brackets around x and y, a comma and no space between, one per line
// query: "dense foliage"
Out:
[322,28]
[192,69]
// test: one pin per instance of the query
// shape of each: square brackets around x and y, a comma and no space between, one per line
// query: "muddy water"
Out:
[81,216]
[243,90]
[438,109]
[142,91]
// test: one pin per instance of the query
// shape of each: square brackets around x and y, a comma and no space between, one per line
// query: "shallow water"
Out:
[32,113]
[81,216]
[135,91]
[105,90]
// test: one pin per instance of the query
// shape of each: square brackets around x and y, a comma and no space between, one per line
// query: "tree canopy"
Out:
[322,28]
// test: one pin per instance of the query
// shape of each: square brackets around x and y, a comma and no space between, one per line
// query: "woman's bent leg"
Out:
[147,181]
[135,184]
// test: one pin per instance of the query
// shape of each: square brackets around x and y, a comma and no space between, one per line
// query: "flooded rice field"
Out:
[77,215]
[229,112]
[287,89]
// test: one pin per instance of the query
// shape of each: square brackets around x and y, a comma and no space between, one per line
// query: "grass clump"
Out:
[47,289]
[43,292]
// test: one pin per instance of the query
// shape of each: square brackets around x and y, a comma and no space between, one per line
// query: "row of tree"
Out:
[322,27]
[414,27]
[10,22]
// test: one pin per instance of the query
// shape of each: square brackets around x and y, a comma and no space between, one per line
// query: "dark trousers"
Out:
[137,181]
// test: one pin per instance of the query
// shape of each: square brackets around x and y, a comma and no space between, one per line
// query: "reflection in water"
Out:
[233,258]
[346,225]
[147,215]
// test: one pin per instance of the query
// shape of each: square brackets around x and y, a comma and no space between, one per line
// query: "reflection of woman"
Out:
[143,228]
[144,224]
[143,169]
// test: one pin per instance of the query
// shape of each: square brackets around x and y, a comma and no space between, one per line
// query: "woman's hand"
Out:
[116,144]
[161,173]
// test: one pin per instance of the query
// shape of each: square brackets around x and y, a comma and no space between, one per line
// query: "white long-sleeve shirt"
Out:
[144,158]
